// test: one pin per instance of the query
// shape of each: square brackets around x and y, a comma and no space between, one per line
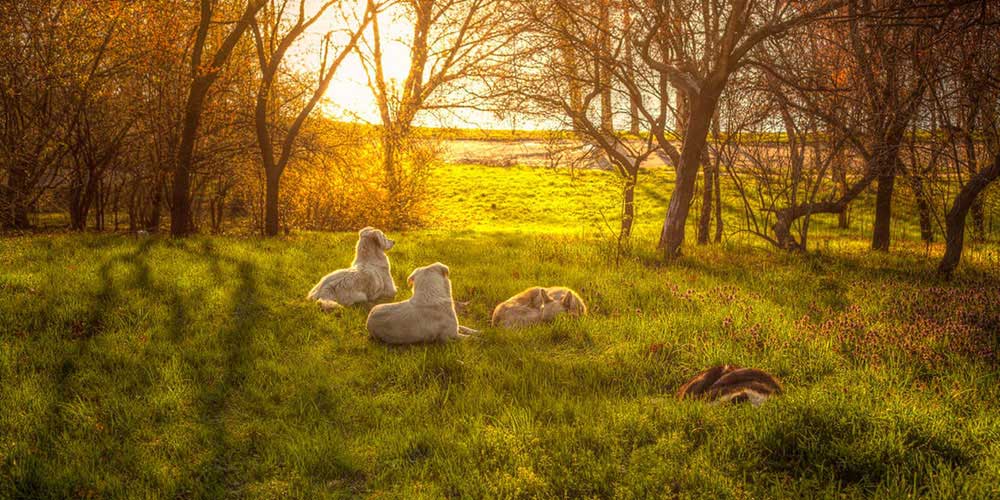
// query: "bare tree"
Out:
[555,38]
[884,87]
[203,76]
[697,46]
[44,45]
[970,55]
[453,42]
[273,39]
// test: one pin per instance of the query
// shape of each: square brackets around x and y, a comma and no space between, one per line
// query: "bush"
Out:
[343,186]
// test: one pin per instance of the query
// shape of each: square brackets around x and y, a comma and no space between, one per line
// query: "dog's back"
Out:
[408,323]
[368,279]
[511,314]
[340,285]
[427,316]
[729,383]
[531,297]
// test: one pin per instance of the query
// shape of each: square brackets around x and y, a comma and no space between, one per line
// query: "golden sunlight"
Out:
[499,249]
[349,96]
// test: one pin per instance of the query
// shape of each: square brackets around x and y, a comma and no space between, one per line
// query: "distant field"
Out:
[149,367]
[530,152]
[541,200]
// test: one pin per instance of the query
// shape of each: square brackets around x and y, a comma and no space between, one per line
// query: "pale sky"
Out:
[348,96]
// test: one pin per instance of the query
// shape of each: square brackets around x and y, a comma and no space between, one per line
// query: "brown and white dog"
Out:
[427,316]
[367,280]
[729,383]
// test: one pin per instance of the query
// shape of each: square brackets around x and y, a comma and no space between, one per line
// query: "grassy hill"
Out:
[147,367]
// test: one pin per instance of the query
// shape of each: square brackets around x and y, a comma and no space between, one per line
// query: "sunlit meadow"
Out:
[807,190]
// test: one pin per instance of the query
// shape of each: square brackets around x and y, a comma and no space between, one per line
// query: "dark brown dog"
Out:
[729,383]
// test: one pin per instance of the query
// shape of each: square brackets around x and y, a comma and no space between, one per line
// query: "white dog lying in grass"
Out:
[367,280]
[428,316]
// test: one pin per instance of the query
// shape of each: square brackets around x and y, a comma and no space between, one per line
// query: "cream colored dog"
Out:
[538,305]
[540,309]
[428,316]
[367,280]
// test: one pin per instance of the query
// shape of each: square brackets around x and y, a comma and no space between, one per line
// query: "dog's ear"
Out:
[385,241]
[567,300]
[544,296]
[442,268]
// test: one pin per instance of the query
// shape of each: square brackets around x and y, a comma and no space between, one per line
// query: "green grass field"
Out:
[148,367]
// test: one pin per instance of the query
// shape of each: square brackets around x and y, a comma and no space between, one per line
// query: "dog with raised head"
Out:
[731,384]
[367,280]
[537,305]
[427,316]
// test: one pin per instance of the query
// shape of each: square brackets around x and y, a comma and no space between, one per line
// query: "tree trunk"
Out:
[180,209]
[628,205]
[271,205]
[604,75]
[77,212]
[971,163]
[633,104]
[662,87]
[156,209]
[672,234]
[203,76]
[718,202]
[784,218]
[695,136]
[840,175]
[978,219]
[218,209]
[881,234]
[955,220]
[100,203]
[15,210]
[389,165]
[923,208]
[133,211]
[708,192]
[82,194]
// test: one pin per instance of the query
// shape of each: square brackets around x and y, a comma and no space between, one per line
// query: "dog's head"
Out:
[572,304]
[434,273]
[370,237]
[431,283]
[550,307]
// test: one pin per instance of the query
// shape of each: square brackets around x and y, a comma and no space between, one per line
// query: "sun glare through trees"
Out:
[499,248]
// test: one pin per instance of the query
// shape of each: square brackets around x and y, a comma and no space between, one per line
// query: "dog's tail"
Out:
[327,305]
[314,293]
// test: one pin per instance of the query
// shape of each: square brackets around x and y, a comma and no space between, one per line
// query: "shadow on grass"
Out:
[85,345]
[237,340]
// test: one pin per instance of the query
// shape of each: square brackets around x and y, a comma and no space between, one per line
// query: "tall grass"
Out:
[147,367]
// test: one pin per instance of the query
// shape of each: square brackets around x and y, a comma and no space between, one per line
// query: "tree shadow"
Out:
[218,398]
[123,277]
